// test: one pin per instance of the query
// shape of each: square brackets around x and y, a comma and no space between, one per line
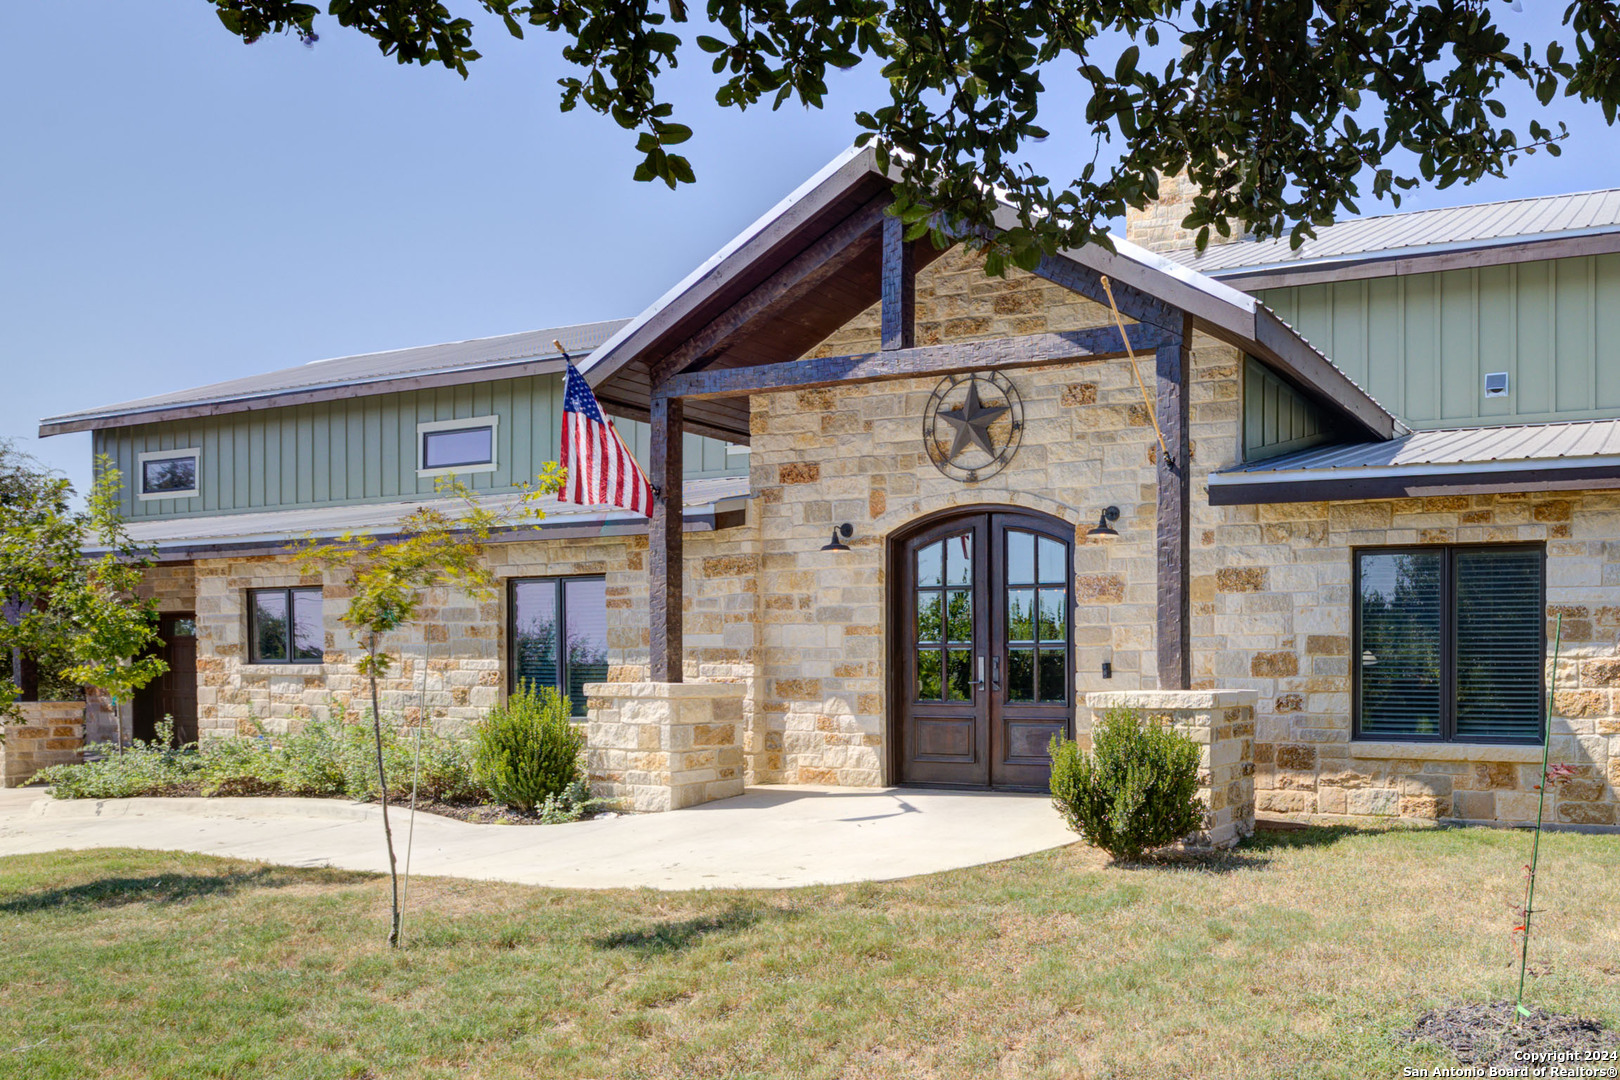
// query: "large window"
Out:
[558,635]
[284,626]
[1450,644]
[168,474]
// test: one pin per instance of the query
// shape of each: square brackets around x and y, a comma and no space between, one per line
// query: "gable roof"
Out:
[1548,226]
[503,357]
[841,193]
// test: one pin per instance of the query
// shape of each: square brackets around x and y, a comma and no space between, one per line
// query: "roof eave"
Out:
[385,384]
[1419,481]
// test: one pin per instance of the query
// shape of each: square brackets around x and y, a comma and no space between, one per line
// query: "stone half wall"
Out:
[1221,722]
[50,733]
[1272,609]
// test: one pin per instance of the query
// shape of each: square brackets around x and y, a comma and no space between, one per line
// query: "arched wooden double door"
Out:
[982,654]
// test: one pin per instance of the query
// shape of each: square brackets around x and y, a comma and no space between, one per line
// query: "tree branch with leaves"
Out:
[1280,112]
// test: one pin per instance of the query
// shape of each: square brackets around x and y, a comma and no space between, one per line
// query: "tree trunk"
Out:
[27,677]
[382,786]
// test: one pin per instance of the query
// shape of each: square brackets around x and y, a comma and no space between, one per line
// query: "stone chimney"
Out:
[1158,228]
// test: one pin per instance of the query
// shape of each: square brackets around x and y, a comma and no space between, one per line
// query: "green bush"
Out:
[143,768]
[526,751]
[328,757]
[1136,790]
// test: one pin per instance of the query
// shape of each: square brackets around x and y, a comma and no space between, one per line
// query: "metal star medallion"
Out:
[972,423]
[992,431]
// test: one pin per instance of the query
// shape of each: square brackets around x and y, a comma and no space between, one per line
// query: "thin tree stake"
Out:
[1541,805]
[1153,413]
[416,772]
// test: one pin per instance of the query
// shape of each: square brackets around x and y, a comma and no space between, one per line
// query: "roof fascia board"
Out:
[1397,482]
[1280,345]
[1430,260]
[385,384]
[726,265]
[696,519]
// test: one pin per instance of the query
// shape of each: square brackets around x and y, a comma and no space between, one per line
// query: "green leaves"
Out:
[74,575]
[1278,111]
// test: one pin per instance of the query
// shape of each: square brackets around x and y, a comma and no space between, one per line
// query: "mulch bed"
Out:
[1481,1034]
[479,813]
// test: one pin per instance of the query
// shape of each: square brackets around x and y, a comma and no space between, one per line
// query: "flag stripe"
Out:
[601,469]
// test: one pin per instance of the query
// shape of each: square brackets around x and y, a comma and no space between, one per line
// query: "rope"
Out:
[1146,400]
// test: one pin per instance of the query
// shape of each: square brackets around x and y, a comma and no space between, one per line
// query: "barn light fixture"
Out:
[839,535]
[1103,528]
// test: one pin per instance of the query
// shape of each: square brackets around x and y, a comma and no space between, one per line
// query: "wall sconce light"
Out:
[839,535]
[1103,528]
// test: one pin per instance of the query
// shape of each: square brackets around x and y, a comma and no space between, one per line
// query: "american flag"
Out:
[601,469]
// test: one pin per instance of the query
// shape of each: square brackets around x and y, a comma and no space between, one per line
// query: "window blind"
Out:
[1499,627]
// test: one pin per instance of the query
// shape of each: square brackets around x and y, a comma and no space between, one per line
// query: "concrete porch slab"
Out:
[768,837]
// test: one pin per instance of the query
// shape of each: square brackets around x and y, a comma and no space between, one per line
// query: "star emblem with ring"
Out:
[973,425]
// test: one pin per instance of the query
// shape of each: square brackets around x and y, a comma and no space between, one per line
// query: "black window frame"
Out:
[252,630]
[1448,644]
[559,582]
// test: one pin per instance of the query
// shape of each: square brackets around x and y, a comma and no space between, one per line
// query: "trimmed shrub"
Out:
[526,751]
[1136,790]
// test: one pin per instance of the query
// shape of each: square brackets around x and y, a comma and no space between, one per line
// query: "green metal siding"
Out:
[1423,344]
[363,449]
[1277,419]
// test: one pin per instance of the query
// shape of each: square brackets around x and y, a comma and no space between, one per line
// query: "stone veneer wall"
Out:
[856,454]
[1272,611]
[50,733]
[1221,722]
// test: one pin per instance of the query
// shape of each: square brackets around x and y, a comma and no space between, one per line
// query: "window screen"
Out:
[284,626]
[559,635]
[1449,644]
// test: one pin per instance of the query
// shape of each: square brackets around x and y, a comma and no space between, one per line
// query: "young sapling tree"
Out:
[387,578]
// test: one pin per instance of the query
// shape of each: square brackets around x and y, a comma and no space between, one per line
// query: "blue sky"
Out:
[177,208]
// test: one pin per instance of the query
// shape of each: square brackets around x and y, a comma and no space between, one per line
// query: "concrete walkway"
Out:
[769,837]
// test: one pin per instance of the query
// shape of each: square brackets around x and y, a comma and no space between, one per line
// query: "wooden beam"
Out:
[899,287]
[1097,343]
[820,261]
[664,548]
[1173,647]
[1133,302]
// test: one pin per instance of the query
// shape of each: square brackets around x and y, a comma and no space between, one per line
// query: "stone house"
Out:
[1324,504]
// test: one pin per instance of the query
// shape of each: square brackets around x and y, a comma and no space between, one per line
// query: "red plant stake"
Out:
[1556,774]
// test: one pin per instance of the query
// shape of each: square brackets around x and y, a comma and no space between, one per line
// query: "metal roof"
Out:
[1388,236]
[1573,454]
[178,537]
[530,352]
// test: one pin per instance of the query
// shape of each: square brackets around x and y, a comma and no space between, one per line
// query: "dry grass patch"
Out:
[1309,949]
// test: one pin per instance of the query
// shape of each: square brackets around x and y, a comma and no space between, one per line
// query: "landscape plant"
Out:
[387,577]
[73,617]
[526,751]
[1137,788]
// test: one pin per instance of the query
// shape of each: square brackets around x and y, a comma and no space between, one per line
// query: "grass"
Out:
[1306,950]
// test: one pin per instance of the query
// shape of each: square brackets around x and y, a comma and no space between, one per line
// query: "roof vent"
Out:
[1496,384]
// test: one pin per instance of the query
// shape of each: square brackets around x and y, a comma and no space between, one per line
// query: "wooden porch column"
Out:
[664,539]
[1173,646]
[899,287]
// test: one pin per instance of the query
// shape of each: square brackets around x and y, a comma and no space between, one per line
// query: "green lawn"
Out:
[1303,955]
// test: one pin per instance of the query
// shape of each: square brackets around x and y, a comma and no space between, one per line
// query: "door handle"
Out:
[995,673]
[979,682]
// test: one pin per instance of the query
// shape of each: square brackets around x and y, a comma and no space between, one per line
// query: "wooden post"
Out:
[899,287]
[664,539]
[1173,542]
